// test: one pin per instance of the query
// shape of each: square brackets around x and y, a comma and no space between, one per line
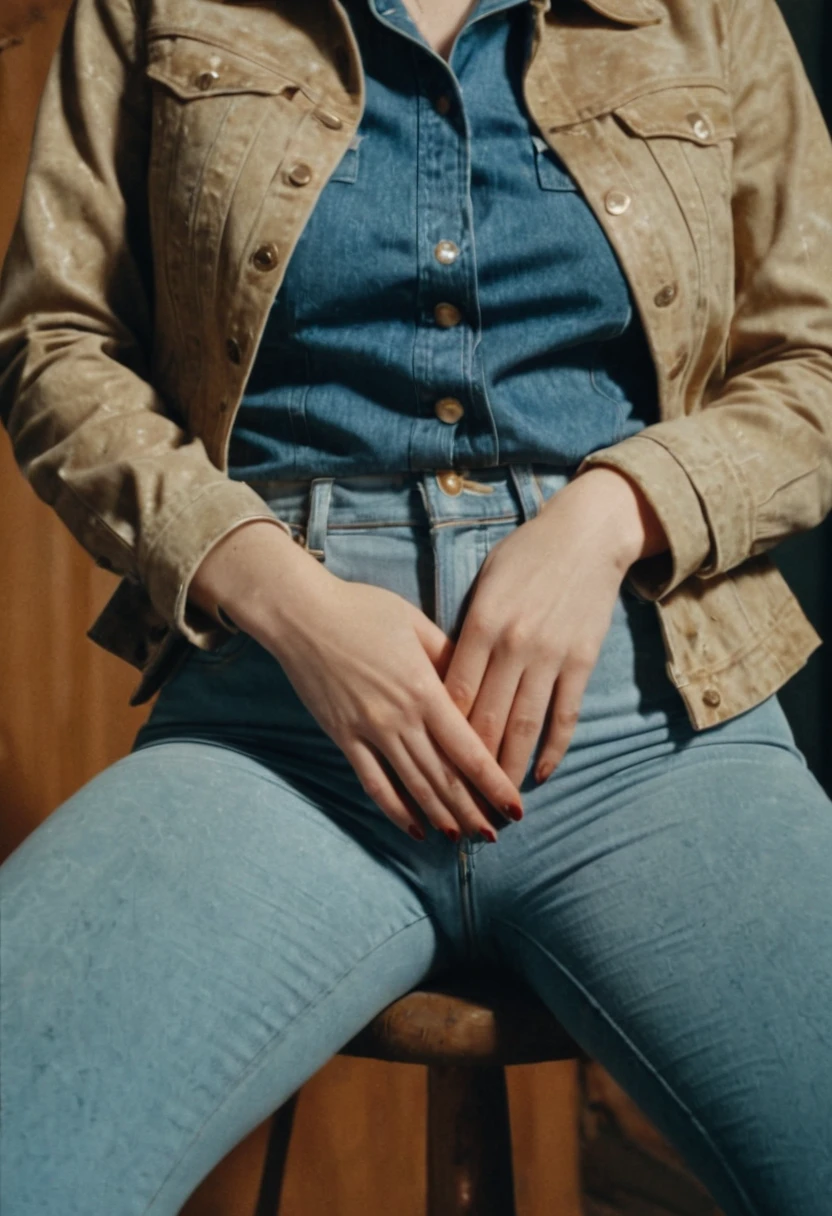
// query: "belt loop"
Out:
[528,491]
[320,493]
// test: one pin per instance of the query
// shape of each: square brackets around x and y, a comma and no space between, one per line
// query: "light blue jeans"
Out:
[200,928]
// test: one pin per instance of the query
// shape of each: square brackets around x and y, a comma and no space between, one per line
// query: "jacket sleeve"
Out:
[90,433]
[754,465]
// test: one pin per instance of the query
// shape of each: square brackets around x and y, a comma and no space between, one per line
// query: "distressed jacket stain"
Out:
[179,149]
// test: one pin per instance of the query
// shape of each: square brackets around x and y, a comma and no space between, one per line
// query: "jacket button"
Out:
[333,121]
[447,315]
[449,481]
[300,174]
[232,349]
[666,296]
[206,80]
[265,258]
[711,697]
[617,202]
[449,409]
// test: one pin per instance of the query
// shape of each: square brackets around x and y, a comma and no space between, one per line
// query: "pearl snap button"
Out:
[617,202]
[449,409]
[447,315]
[449,482]
[446,252]
[711,697]
[205,80]
[442,104]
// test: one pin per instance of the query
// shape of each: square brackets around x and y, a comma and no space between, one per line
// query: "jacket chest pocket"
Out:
[222,124]
[682,138]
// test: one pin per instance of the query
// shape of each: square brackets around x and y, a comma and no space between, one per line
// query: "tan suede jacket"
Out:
[179,150]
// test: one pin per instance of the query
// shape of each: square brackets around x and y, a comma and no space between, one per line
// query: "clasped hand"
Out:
[540,609]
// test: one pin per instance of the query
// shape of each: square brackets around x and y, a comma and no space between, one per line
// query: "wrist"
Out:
[257,578]
[633,525]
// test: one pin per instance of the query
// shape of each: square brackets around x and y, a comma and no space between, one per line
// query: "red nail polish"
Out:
[452,834]
[416,833]
[514,812]
[489,834]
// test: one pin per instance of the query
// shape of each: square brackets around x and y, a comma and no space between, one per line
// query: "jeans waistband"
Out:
[422,498]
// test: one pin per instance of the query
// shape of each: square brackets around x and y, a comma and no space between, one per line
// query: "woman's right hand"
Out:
[367,665]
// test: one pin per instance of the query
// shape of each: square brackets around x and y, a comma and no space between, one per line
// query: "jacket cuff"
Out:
[187,538]
[671,494]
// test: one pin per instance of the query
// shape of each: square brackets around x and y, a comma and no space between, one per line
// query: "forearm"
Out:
[259,578]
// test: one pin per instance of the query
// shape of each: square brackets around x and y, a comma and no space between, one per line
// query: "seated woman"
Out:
[436,376]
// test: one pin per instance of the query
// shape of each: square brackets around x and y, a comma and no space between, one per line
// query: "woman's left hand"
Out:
[541,607]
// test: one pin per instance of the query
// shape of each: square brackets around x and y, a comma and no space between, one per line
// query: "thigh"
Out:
[676,914]
[185,941]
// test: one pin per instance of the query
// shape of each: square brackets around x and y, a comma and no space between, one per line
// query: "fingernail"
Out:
[489,834]
[416,833]
[544,771]
[513,811]
[452,834]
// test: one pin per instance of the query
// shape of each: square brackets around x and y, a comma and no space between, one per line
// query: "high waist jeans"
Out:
[202,926]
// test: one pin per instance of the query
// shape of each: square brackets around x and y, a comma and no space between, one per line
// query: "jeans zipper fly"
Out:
[464,860]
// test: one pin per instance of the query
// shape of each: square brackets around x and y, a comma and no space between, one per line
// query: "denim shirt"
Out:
[452,301]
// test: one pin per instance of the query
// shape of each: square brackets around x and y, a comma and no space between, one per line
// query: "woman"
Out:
[519,318]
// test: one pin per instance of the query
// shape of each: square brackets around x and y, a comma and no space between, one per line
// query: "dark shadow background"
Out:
[806,560]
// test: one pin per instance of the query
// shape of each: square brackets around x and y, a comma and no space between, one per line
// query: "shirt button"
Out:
[265,258]
[447,315]
[701,127]
[711,697]
[205,80]
[449,481]
[446,252]
[617,202]
[442,104]
[300,174]
[449,409]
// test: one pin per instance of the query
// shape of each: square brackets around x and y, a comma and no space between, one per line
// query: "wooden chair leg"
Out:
[469,1142]
[271,1182]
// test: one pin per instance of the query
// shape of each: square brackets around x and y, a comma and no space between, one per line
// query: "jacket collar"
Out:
[625,12]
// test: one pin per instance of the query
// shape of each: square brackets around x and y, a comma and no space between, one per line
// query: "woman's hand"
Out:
[368,666]
[541,608]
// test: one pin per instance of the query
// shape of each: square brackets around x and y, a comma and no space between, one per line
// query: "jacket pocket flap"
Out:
[699,113]
[193,68]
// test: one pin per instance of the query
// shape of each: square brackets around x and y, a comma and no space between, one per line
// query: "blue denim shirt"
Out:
[452,301]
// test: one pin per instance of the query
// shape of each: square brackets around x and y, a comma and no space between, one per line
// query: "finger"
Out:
[469,663]
[466,750]
[378,786]
[566,708]
[492,708]
[458,808]
[526,720]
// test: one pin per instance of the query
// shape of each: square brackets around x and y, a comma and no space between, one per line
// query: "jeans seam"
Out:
[268,1046]
[703,1132]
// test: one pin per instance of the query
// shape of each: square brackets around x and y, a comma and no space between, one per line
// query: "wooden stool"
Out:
[466,1027]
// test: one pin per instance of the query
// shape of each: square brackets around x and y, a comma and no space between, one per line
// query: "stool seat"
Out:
[466,1026]
[468,1018]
